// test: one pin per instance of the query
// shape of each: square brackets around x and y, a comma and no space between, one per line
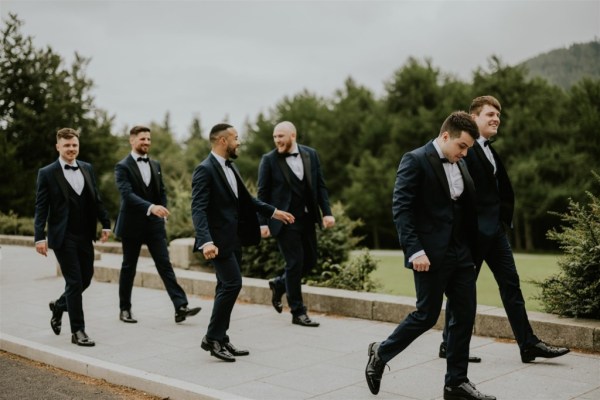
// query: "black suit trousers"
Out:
[157,245]
[298,245]
[229,284]
[458,283]
[76,260]
[498,255]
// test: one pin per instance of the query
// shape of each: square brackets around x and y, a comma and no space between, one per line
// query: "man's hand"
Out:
[42,248]
[105,235]
[284,217]
[210,251]
[421,263]
[159,211]
[328,221]
[265,232]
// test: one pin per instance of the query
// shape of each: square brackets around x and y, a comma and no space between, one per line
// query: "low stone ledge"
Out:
[489,321]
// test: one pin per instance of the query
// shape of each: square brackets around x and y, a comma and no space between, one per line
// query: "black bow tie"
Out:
[228,163]
[144,159]
[286,155]
[444,160]
[75,168]
[488,143]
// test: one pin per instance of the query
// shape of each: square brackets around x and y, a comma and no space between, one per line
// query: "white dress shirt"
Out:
[229,174]
[295,162]
[453,175]
[487,151]
[143,166]
[74,177]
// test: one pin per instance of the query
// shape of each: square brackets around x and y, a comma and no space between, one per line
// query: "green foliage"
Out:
[12,224]
[566,67]
[351,275]
[38,96]
[334,246]
[575,291]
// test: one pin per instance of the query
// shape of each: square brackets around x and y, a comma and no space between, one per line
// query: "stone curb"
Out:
[158,385]
[490,321]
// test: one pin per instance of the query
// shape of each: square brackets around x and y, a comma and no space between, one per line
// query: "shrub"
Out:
[12,224]
[332,269]
[575,290]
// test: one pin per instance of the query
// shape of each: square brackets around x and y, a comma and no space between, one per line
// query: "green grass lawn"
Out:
[395,279]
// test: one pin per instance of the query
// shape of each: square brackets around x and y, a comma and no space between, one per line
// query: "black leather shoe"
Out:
[216,350]
[183,312]
[303,320]
[465,391]
[235,351]
[56,320]
[126,316]
[275,297]
[374,369]
[542,350]
[442,354]
[80,338]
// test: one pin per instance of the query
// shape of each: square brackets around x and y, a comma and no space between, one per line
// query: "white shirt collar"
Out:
[63,163]
[438,148]
[136,155]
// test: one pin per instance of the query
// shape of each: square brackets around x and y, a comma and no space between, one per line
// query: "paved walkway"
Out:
[286,361]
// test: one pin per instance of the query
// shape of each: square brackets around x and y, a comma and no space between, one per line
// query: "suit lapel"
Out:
[467,179]
[61,180]
[221,173]
[307,167]
[155,176]
[487,165]
[135,171]
[438,168]
[88,180]
[284,167]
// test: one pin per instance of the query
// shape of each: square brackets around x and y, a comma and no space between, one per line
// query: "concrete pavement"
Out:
[286,361]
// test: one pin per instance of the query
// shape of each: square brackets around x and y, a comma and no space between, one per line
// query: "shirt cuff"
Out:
[417,254]
[40,241]
[149,209]
[207,243]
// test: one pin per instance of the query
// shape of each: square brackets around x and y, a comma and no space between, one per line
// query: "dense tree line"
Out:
[548,138]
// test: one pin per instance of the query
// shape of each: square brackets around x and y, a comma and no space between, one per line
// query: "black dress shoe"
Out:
[303,320]
[542,350]
[275,297]
[216,350]
[442,354]
[56,320]
[465,391]
[374,369]
[235,351]
[126,316]
[80,338]
[183,312]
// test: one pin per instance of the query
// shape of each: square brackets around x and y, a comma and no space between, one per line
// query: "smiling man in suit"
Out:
[67,199]
[142,217]
[495,205]
[433,210]
[290,178]
[224,215]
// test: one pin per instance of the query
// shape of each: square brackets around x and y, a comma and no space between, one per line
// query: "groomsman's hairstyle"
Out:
[479,102]
[138,129]
[66,133]
[457,122]
[216,131]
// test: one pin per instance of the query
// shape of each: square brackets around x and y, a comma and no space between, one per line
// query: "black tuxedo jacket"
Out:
[495,196]
[218,215]
[52,203]
[274,185]
[422,206]
[133,220]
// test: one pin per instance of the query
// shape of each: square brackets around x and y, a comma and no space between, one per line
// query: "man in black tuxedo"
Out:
[433,212]
[67,198]
[224,216]
[495,205]
[141,220]
[290,178]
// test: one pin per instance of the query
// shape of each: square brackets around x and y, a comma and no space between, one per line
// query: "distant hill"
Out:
[565,67]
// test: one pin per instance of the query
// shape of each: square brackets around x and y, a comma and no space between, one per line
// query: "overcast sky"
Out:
[238,58]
